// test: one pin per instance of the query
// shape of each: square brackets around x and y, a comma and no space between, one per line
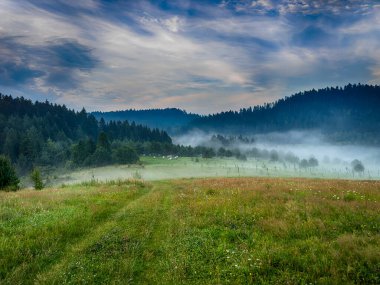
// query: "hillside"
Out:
[349,114]
[44,134]
[169,119]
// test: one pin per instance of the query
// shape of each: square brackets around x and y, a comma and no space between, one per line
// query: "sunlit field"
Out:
[169,167]
[193,231]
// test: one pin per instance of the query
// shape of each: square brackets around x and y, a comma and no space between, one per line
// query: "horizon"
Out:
[203,57]
[78,109]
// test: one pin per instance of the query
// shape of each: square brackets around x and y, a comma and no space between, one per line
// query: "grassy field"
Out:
[159,168]
[193,231]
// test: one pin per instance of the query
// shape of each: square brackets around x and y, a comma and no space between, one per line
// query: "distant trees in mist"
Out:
[357,166]
[346,115]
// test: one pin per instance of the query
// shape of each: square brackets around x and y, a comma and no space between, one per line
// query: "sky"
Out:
[201,56]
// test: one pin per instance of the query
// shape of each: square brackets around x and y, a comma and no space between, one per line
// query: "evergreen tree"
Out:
[103,142]
[8,177]
[37,179]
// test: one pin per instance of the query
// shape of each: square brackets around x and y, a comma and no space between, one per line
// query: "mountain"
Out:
[346,115]
[170,119]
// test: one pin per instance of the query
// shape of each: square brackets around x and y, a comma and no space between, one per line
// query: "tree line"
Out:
[42,133]
[344,115]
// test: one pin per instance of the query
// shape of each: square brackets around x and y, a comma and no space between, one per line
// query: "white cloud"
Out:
[173,24]
[34,24]
[266,4]
[367,25]
[191,63]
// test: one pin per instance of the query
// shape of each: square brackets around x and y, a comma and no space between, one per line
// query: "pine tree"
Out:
[36,178]
[8,177]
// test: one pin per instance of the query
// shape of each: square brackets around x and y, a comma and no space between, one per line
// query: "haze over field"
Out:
[302,144]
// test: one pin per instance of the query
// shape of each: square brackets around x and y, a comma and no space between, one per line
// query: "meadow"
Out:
[168,167]
[193,231]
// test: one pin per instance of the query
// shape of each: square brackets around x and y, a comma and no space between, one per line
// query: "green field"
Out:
[159,168]
[193,231]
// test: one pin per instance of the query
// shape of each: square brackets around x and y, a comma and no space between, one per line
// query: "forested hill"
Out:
[348,114]
[41,133]
[169,119]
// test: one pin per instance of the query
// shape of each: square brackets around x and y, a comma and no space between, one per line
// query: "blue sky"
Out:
[201,56]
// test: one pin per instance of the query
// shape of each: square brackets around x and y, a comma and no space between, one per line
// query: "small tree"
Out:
[313,162]
[8,177]
[274,157]
[36,178]
[304,163]
[357,166]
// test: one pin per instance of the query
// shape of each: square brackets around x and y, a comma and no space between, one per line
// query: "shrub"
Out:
[125,155]
[37,180]
[8,176]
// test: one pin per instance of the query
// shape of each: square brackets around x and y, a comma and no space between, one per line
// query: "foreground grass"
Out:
[206,231]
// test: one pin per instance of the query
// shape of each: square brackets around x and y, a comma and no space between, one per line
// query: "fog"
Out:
[291,147]
[306,144]
[290,154]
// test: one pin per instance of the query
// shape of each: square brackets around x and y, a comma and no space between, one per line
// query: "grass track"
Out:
[209,231]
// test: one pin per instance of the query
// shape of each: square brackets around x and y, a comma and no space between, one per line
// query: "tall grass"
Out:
[205,231]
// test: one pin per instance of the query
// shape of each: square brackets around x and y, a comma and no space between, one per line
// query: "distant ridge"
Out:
[169,119]
[347,115]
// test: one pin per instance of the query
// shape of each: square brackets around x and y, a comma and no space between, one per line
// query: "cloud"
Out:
[204,56]
[306,7]
[70,54]
[15,74]
[57,64]
[173,24]
[15,64]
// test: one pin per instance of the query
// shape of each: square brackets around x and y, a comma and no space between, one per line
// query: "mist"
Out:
[290,148]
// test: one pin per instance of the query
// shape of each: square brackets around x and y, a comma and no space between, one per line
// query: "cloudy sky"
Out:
[202,56]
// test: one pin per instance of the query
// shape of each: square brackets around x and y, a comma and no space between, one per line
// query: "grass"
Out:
[160,168]
[193,231]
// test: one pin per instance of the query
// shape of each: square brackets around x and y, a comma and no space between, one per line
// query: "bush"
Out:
[37,180]
[125,155]
[8,176]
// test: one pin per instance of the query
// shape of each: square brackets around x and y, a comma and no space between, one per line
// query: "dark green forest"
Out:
[170,119]
[344,115]
[42,134]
